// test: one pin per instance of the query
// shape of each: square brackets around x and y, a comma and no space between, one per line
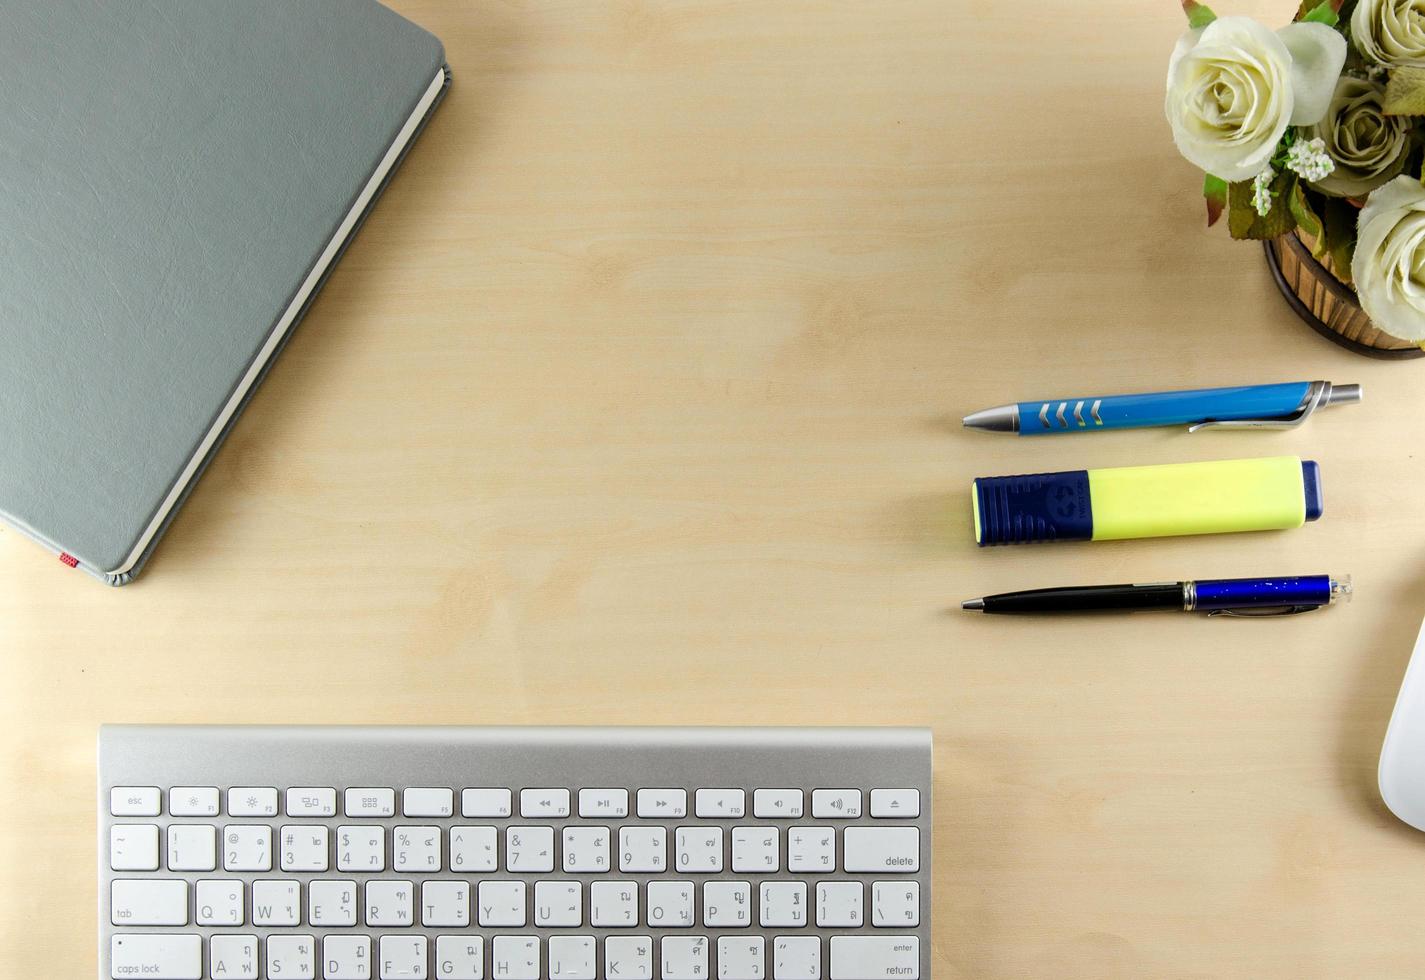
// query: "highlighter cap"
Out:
[1033,507]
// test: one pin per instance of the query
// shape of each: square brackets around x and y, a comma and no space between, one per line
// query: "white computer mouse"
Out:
[1402,757]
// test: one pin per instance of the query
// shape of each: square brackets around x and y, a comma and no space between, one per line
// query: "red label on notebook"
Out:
[68,559]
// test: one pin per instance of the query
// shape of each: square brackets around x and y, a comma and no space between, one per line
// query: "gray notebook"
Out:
[176,179]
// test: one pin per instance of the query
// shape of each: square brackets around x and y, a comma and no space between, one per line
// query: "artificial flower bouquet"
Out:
[1316,129]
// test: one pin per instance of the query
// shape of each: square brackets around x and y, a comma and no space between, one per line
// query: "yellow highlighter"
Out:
[1148,501]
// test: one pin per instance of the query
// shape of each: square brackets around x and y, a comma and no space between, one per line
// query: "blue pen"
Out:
[1222,596]
[1277,406]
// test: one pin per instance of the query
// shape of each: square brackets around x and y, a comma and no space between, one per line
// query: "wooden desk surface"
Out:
[637,400]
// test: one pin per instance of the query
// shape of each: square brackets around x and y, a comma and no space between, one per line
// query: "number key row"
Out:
[427,849]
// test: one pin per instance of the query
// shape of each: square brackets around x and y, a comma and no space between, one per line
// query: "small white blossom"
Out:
[1262,191]
[1309,159]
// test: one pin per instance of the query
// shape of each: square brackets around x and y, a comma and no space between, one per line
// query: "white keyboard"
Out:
[265,853]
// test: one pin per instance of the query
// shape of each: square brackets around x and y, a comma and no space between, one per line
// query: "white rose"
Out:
[1389,265]
[1367,146]
[1234,87]
[1389,31]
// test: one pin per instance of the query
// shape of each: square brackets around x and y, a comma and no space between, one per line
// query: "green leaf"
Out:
[1304,214]
[1243,221]
[1312,10]
[1405,93]
[1214,192]
[1338,221]
[1198,14]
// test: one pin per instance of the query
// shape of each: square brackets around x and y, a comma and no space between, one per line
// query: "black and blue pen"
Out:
[1223,596]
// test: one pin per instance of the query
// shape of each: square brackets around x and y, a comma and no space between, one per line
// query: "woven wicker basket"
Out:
[1326,303]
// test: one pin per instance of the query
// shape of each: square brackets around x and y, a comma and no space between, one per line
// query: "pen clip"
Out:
[1262,612]
[1315,394]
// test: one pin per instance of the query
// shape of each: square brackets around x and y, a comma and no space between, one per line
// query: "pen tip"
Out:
[973,604]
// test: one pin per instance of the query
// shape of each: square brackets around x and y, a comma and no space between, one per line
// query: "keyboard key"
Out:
[613,904]
[332,905]
[893,803]
[460,958]
[361,848]
[836,804]
[193,801]
[247,847]
[276,902]
[874,957]
[192,847]
[133,847]
[346,958]
[777,804]
[685,958]
[403,957]
[544,803]
[489,803]
[571,958]
[699,850]
[605,804]
[135,801]
[445,904]
[529,850]
[369,802]
[304,848]
[390,904]
[157,956]
[291,957]
[755,850]
[895,904]
[643,849]
[784,903]
[796,958]
[662,804]
[720,804]
[516,957]
[727,904]
[148,902]
[670,904]
[219,902]
[811,850]
[474,849]
[887,849]
[838,905]
[420,801]
[311,801]
[252,801]
[558,904]
[628,958]
[501,903]
[416,849]
[233,957]
[742,956]
[586,850]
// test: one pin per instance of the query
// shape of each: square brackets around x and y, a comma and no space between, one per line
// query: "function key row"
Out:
[497,802]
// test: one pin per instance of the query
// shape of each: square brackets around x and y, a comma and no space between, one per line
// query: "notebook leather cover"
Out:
[176,180]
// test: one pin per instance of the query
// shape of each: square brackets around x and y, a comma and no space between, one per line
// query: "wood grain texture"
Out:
[637,400]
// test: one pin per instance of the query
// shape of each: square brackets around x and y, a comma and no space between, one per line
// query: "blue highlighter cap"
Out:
[1311,481]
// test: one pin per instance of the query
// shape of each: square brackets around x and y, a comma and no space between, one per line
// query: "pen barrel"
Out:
[1059,415]
[1088,598]
[1247,593]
